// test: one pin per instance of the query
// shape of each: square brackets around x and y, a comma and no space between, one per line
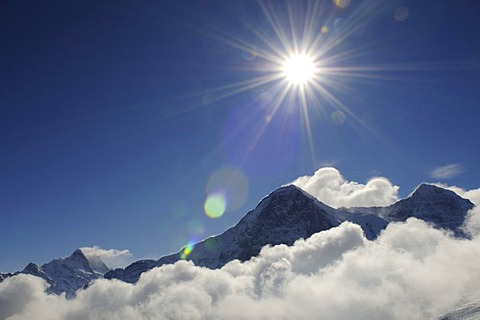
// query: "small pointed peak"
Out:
[77,255]
[429,192]
[78,252]
[287,189]
[31,266]
[425,189]
[427,186]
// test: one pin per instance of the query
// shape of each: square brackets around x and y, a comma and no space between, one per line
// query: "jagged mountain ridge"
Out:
[284,216]
[441,207]
[289,213]
[268,223]
[67,274]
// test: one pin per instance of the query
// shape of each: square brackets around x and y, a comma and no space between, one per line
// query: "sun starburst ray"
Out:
[302,61]
[306,118]
[276,26]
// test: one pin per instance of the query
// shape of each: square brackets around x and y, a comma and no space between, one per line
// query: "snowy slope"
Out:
[67,274]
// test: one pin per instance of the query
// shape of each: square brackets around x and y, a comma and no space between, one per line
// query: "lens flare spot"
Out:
[324,29]
[249,54]
[338,117]
[265,98]
[342,3]
[401,14]
[231,184]
[215,205]
[195,227]
[187,250]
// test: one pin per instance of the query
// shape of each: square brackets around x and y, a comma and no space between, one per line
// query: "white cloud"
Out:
[447,171]
[472,225]
[472,195]
[113,258]
[411,271]
[330,187]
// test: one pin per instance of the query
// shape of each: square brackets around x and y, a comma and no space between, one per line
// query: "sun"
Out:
[299,69]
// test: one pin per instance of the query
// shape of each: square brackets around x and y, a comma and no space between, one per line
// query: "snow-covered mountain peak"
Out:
[67,274]
[441,207]
[77,261]
[94,261]
[286,199]
[32,269]
[290,191]
[430,192]
[284,216]
[283,196]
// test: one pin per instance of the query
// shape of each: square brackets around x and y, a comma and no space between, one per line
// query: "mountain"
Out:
[289,213]
[284,216]
[440,207]
[67,274]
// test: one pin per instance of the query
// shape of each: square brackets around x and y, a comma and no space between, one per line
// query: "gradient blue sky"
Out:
[115,122]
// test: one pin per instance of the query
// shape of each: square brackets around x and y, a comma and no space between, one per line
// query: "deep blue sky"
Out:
[112,122]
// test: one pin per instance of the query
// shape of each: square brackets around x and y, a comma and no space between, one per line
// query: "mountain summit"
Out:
[441,207]
[285,215]
[433,204]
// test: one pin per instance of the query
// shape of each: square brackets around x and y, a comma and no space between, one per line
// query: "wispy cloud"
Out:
[447,171]
[113,258]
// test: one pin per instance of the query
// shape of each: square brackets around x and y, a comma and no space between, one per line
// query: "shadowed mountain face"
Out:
[440,207]
[433,204]
[286,215]
[289,213]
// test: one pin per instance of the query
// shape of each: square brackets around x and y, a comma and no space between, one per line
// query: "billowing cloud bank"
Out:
[329,186]
[411,271]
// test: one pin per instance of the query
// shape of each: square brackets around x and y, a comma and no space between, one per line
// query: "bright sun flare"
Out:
[299,69]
